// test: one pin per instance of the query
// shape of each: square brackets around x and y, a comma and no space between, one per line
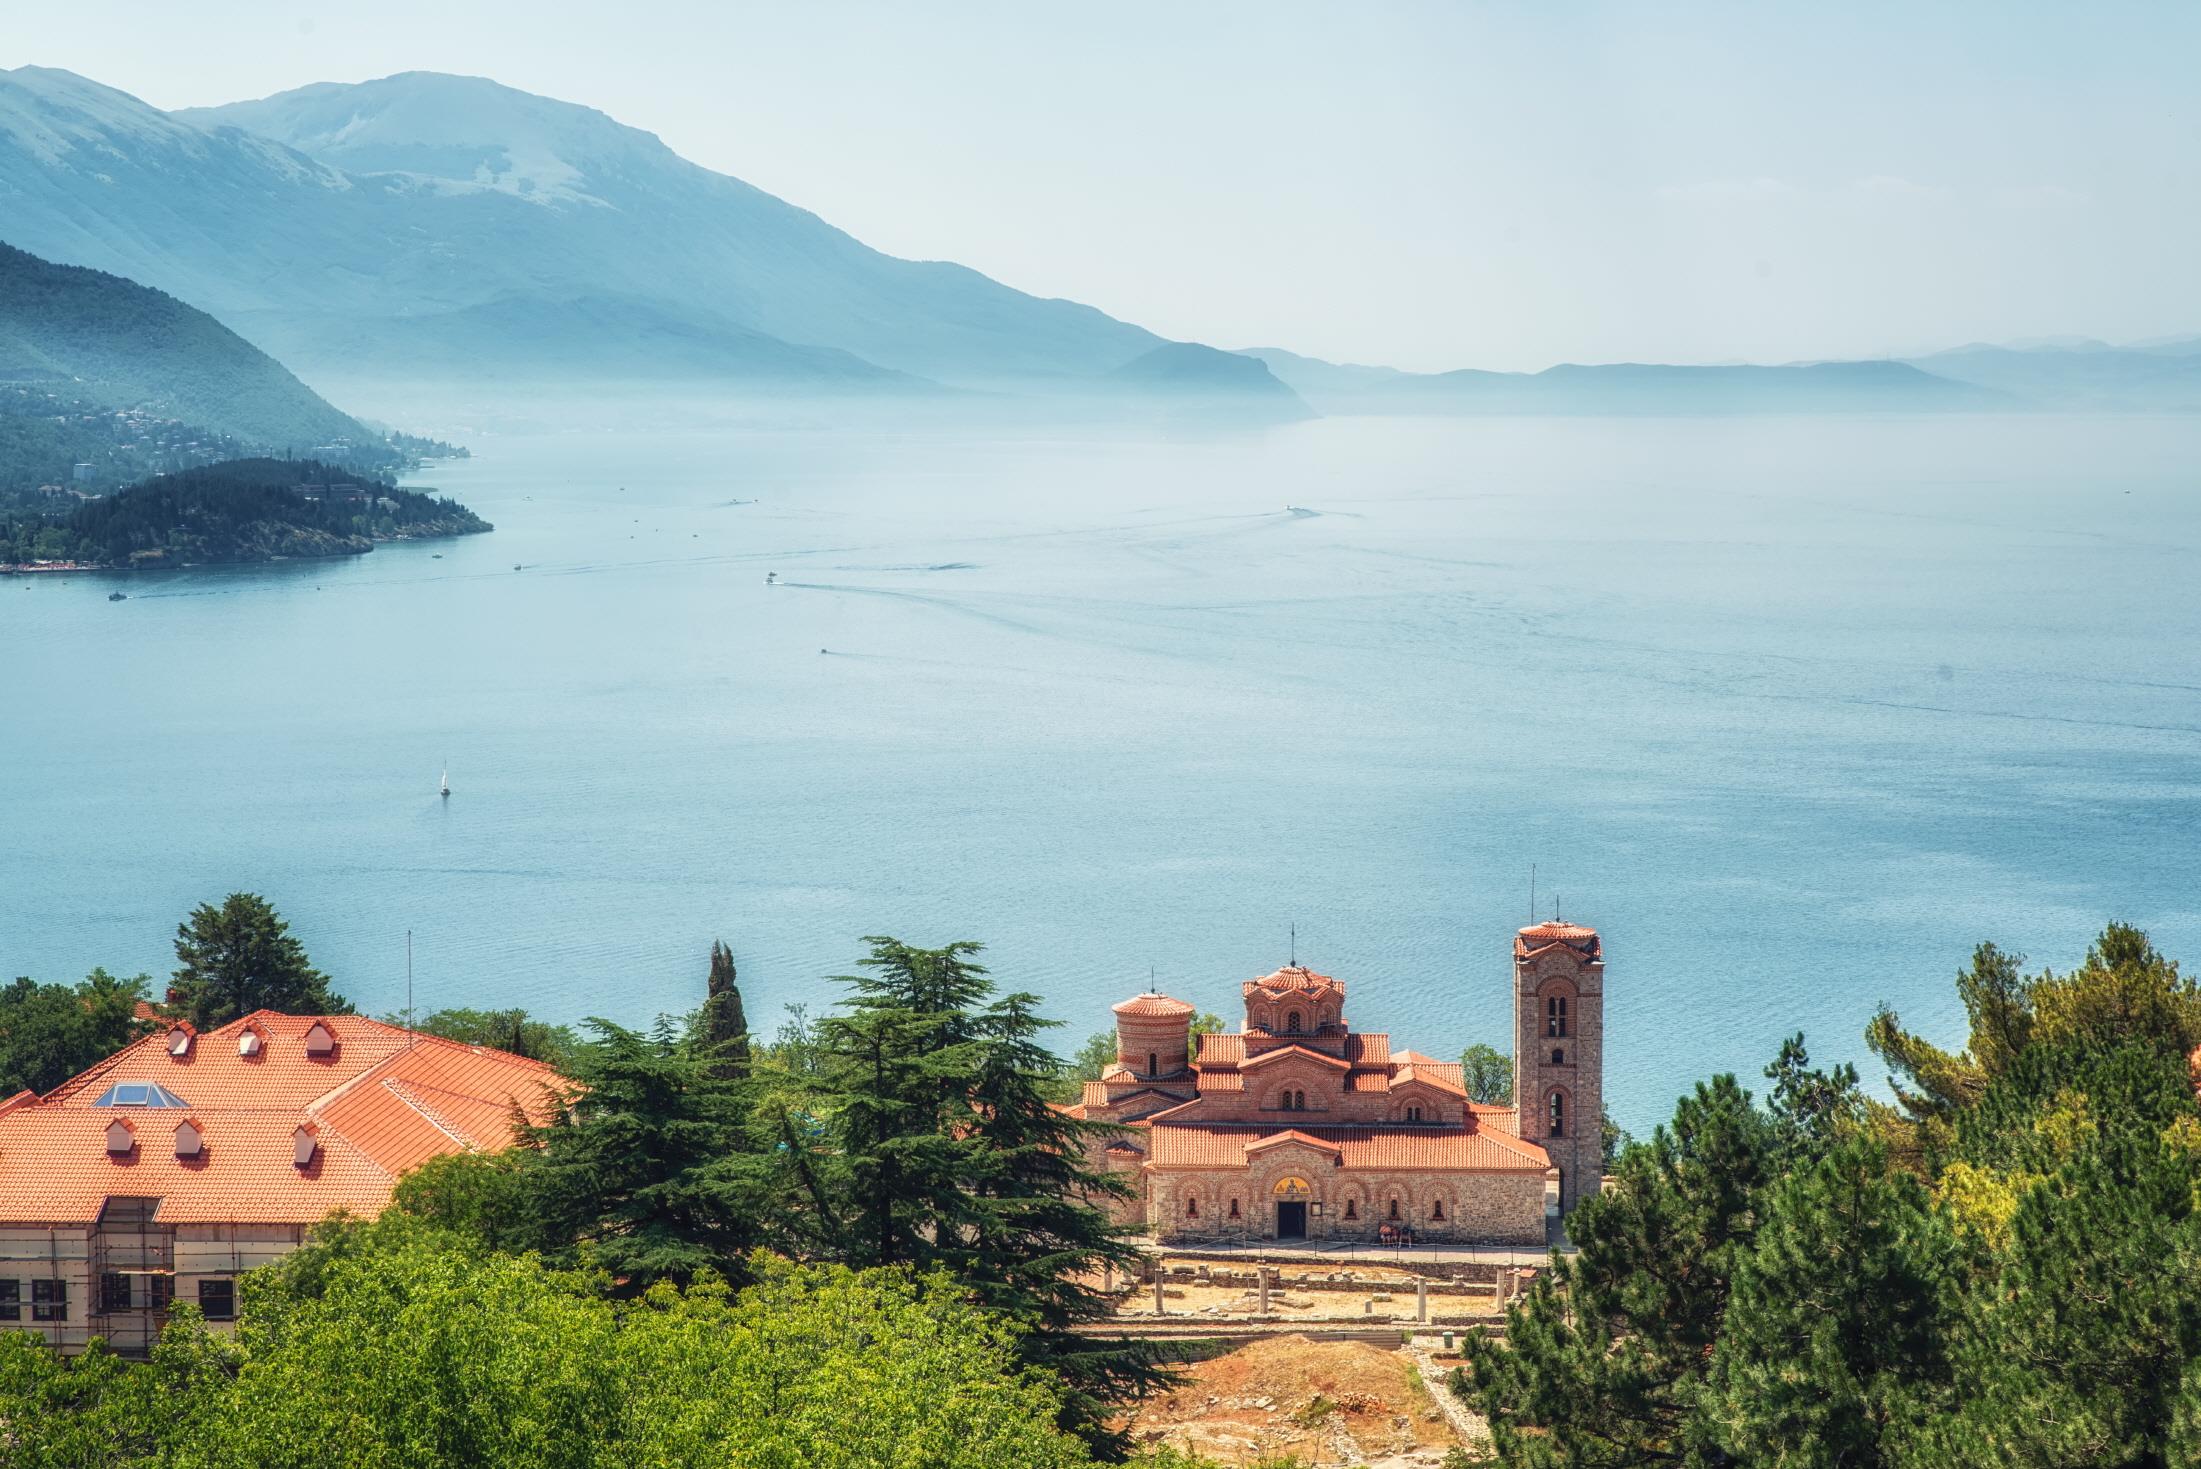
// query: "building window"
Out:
[1299,1101]
[1234,1208]
[1394,1208]
[1291,1023]
[1558,1055]
[1352,1208]
[1153,1063]
[218,1299]
[114,1292]
[11,1300]
[1192,1208]
[1555,1016]
[1413,1114]
[49,1300]
[1558,1117]
[1436,1210]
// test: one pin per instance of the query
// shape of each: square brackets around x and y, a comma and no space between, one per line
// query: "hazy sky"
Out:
[1431,185]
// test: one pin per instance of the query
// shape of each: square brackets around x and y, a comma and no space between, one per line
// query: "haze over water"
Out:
[1794,710]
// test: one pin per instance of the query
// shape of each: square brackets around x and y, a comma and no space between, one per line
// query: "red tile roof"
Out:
[1293,979]
[1304,1052]
[1461,1149]
[1153,1006]
[1543,935]
[383,1101]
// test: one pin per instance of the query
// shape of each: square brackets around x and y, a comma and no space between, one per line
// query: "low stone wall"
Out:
[1303,1275]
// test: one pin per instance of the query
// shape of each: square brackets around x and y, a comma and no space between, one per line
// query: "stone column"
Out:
[1421,1299]
[1161,1308]
[1264,1290]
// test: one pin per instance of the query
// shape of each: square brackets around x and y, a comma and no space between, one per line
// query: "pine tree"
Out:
[946,1153]
[241,957]
[1605,1358]
[649,1169]
[1833,1351]
[1038,1234]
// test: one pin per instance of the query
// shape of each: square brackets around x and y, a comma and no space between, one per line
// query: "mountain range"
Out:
[441,220]
[426,226]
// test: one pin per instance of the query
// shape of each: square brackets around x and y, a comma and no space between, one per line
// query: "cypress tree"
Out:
[722,1029]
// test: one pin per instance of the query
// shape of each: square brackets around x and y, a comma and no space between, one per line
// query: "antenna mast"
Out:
[1295,943]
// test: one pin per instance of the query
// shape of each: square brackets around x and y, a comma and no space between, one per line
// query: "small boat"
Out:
[118,596]
[446,790]
[515,566]
[771,578]
[438,556]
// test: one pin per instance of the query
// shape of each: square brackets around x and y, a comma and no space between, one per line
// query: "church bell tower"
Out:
[1559,1050]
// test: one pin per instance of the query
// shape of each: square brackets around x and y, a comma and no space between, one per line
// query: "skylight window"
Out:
[139,1094]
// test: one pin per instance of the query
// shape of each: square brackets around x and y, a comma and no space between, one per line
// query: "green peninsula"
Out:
[233,512]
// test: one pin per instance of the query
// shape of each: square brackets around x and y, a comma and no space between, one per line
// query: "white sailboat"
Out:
[446,782]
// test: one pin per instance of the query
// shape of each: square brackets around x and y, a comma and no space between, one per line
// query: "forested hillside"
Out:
[92,341]
[239,510]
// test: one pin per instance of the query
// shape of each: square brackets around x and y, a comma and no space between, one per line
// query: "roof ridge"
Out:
[399,1088]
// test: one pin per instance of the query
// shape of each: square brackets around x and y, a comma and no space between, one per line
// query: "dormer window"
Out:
[250,1043]
[320,1040]
[304,1143]
[189,1139]
[179,1042]
[120,1139]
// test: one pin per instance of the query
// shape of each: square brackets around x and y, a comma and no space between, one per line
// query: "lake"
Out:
[1795,711]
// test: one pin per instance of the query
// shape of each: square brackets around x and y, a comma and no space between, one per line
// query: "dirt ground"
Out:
[1330,1403]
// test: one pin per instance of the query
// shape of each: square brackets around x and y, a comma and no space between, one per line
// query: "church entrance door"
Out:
[1291,1221]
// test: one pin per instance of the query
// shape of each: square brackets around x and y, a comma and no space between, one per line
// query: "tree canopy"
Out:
[241,957]
[1996,1269]
[50,1032]
[403,1345]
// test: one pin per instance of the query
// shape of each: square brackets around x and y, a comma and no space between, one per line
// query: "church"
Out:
[1299,1127]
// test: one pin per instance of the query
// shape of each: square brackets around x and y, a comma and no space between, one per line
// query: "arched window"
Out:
[1555,1016]
[1153,1063]
[1558,1117]
[1291,1023]
[1558,1055]
[1413,1114]
[1234,1208]
[1352,1208]
[1394,1208]
[1436,1210]
[1192,1207]
[1299,1101]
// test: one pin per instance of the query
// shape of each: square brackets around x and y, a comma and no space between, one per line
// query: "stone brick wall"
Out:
[1477,1208]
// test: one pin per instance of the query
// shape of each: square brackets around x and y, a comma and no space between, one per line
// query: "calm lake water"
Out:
[1795,711]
